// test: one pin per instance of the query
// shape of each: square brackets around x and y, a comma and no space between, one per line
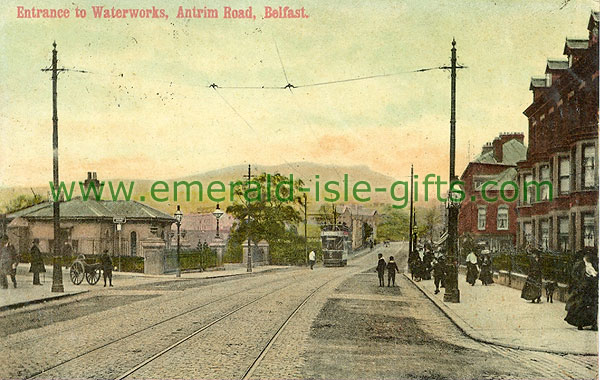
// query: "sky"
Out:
[145,108]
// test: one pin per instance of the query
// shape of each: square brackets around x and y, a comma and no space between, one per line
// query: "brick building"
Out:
[492,223]
[563,149]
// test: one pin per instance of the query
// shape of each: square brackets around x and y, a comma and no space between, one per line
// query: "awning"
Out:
[442,239]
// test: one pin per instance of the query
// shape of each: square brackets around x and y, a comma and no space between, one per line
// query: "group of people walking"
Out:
[582,304]
[391,268]
[479,267]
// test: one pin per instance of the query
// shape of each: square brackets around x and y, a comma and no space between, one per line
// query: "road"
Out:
[292,323]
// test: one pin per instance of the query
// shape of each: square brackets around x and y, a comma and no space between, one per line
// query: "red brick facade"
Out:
[563,149]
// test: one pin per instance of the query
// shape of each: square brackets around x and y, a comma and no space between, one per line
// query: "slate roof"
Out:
[575,44]
[557,64]
[537,82]
[513,151]
[77,208]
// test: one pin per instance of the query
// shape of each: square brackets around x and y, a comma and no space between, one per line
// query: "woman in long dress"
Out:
[582,306]
[532,291]
[485,275]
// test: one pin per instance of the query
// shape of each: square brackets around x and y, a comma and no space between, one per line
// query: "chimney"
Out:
[486,148]
[91,177]
[497,147]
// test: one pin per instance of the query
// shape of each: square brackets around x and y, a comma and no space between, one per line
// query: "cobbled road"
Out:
[330,323]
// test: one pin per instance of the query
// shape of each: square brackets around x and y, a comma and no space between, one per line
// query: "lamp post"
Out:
[305,231]
[218,213]
[178,217]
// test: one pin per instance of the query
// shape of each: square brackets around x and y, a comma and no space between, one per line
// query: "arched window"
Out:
[133,243]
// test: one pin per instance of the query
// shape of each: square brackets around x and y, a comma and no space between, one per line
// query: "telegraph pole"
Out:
[452,293]
[305,233]
[410,226]
[57,281]
[249,268]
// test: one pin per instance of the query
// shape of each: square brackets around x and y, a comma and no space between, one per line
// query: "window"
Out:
[481,218]
[564,175]
[589,166]
[527,232]
[589,230]
[502,222]
[544,234]
[529,189]
[545,176]
[563,233]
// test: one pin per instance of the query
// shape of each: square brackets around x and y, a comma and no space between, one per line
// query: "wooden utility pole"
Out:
[305,231]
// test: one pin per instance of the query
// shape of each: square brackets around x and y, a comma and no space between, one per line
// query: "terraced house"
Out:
[563,149]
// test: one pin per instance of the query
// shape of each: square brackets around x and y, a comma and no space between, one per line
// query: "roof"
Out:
[513,151]
[538,82]
[77,208]
[557,64]
[575,44]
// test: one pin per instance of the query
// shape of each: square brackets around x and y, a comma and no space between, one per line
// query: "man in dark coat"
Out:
[381,269]
[67,253]
[392,268]
[439,272]
[106,267]
[37,262]
[14,261]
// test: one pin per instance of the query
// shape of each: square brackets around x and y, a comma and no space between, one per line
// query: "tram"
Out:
[335,241]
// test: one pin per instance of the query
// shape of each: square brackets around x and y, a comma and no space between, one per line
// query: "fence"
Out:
[190,259]
[555,266]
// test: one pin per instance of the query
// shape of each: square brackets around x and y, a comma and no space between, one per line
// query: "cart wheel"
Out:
[93,276]
[77,273]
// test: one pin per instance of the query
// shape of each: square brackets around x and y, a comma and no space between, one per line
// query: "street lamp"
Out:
[452,293]
[218,213]
[178,217]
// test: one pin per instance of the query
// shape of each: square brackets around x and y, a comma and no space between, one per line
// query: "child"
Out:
[380,269]
[392,268]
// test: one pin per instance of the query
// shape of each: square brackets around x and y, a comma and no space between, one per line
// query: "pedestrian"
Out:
[392,268]
[486,275]
[582,306]
[312,259]
[414,264]
[14,262]
[472,269]
[106,267]
[67,253]
[381,264]
[439,272]
[37,262]
[5,261]
[532,290]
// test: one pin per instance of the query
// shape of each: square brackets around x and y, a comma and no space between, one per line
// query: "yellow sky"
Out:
[160,120]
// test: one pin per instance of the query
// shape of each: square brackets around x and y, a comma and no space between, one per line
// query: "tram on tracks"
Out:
[336,245]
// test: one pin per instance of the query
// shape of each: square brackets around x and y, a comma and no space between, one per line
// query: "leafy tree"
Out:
[272,212]
[394,225]
[327,214]
[20,202]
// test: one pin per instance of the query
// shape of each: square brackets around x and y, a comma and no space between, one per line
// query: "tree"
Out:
[327,215]
[20,202]
[394,225]
[269,201]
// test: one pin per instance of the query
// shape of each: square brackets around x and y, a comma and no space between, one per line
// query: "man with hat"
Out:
[37,262]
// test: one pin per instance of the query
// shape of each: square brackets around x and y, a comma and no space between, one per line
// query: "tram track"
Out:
[151,326]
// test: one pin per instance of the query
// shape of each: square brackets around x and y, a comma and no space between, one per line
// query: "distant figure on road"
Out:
[486,275]
[582,306]
[106,267]
[472,270]
[37,262]
[532,291]
[392,268]
[312,259]
[14,261]
[5,261]
[381,269]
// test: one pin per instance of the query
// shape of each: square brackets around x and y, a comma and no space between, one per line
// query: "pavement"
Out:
[496,314]
[26,293]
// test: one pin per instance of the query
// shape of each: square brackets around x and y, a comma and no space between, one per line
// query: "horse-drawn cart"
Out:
[84,267]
